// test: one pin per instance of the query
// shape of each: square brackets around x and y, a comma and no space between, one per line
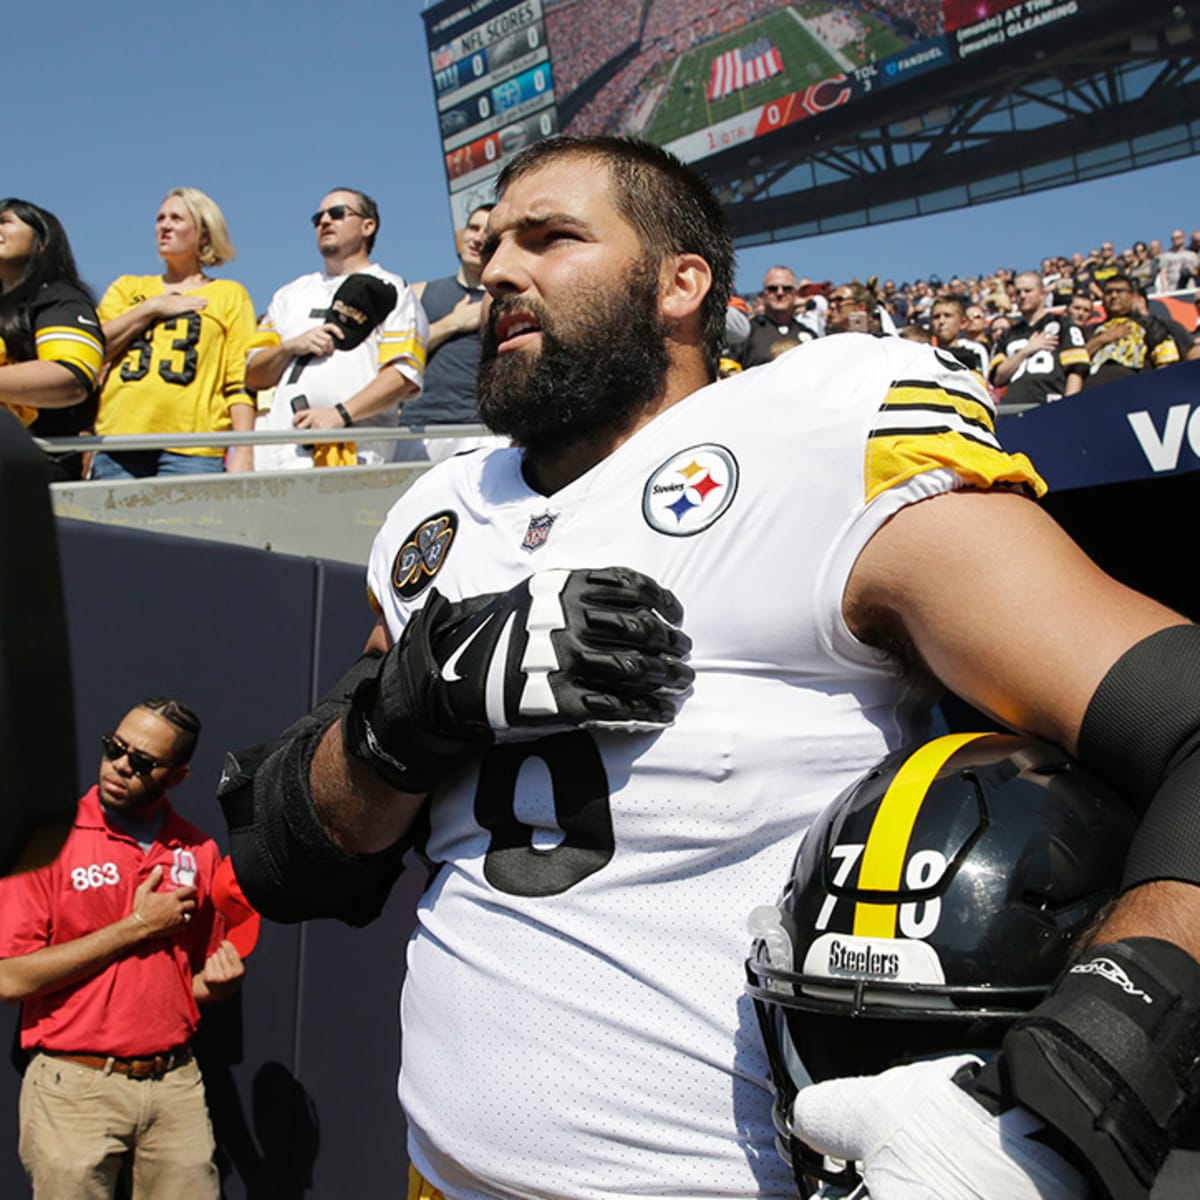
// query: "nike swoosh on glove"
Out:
[919,1136]
[563,649]
[566,650]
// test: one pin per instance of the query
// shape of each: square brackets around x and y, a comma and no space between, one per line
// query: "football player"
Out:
[618,665]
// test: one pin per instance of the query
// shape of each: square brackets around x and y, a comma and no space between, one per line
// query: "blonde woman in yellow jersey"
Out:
[51,348]
[177,347]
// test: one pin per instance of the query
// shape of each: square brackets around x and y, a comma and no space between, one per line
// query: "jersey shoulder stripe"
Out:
[924,426]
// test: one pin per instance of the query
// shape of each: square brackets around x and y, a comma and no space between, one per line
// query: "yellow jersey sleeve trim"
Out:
[922,426]
[66,344]
[1077,357]
[1165,353]
[911,394]
[402,344]
[264,339]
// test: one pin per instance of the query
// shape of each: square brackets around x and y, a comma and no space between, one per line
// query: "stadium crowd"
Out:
[1100,316]
[170,353]
[580,44]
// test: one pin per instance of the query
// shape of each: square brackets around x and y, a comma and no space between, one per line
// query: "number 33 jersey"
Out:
[573,1016]
[182,373]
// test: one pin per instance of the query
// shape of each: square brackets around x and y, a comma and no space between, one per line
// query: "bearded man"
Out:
[620,666]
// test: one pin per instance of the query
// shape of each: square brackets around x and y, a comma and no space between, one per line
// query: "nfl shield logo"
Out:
[538,531]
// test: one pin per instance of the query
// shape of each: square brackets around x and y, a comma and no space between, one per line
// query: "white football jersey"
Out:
[399,340]
[574,1023]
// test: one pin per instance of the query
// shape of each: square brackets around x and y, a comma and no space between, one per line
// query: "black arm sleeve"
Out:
[284,860]
[1141,733]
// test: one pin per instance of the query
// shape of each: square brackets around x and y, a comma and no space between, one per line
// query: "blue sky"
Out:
[266,106]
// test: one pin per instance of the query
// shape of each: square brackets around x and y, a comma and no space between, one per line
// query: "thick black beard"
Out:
[601,363]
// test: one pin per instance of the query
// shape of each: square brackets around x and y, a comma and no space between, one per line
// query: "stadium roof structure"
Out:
[1115,88]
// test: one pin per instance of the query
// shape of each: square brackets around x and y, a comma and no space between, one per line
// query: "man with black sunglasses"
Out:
[110,949]
[319,383]
[777,319]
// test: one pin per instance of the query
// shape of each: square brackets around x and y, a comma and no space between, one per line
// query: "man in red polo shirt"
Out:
[110,948]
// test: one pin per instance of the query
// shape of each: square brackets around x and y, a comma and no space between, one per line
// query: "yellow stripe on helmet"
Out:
[887,843]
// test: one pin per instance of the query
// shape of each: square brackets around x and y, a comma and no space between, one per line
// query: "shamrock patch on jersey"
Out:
[691,490]
[421,556]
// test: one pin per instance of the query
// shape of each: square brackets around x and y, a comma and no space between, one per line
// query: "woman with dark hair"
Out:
[177,346]
[51,345]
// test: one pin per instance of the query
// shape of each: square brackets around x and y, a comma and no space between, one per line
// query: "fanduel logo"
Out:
[1162,449]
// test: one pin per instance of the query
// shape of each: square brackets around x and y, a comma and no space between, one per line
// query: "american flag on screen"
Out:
[736,69]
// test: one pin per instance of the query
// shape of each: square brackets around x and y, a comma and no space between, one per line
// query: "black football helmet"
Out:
[932,903]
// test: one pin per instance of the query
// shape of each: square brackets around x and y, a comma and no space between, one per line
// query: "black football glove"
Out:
[561,650]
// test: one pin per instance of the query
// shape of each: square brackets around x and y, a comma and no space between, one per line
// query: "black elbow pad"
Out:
[284,860]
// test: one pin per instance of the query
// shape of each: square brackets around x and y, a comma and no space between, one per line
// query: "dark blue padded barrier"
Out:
[1146,427]
[301,1068]
[1123,465]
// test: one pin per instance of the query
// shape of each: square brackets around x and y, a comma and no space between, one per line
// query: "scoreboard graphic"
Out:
[494,86]
[700,77]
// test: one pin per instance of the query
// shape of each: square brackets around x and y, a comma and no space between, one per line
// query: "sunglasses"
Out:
[337,212]
[140,763]
[778,289]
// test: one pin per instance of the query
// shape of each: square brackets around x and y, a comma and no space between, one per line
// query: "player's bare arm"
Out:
[153,914]
[1001,606]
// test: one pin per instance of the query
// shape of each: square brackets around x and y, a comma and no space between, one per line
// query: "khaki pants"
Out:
[79,1125]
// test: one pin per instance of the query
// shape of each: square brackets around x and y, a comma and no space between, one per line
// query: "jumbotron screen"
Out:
[700,77]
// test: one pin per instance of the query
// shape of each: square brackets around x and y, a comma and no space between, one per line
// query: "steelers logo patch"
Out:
[690,491]
[421,556]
